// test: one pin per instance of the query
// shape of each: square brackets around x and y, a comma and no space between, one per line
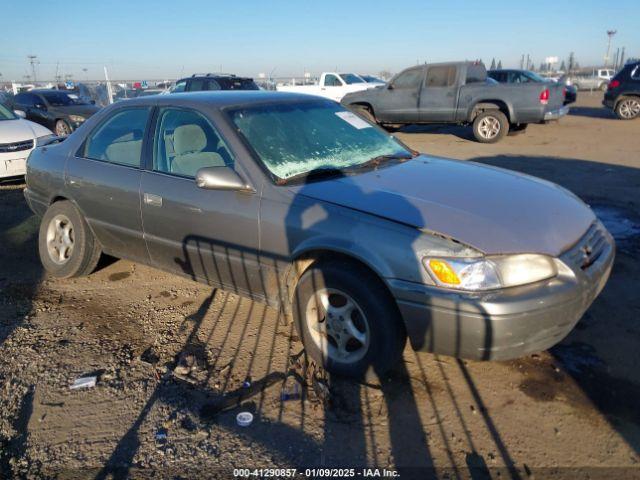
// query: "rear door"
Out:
[399,101]
[208,235]
[439,95]
[104,180]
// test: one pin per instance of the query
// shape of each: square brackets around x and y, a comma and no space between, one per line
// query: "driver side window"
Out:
[185,141]
[408,80]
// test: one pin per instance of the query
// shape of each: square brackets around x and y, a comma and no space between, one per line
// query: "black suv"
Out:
[623,93]
[213,81]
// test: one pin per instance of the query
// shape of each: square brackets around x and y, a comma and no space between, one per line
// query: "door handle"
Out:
[152,200]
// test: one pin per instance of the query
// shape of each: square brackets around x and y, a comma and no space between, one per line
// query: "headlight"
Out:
[44,140]
[76,118]
[489,273]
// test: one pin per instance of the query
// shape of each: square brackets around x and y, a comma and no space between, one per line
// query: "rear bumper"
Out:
[609,103]
[501,324]
[556,114]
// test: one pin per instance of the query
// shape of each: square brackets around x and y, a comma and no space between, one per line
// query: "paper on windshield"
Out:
[353,120]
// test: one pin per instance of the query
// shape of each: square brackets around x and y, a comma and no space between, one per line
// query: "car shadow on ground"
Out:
[593,112]
[460,131]
[357,415]
[600,354]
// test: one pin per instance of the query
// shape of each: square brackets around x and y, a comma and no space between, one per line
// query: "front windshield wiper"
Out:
[316,173]
[375,162]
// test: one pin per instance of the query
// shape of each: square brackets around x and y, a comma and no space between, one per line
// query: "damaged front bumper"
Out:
[506,323]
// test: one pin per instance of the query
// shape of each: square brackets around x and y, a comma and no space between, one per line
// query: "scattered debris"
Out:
[150,356]
[161,435]
[291,389]
[244,419]
[84,382]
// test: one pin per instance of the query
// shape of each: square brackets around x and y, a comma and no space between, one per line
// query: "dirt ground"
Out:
[170,355]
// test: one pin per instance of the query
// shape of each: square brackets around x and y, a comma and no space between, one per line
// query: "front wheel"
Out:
[490,126]
[347,320]
[66,245]
[628,108]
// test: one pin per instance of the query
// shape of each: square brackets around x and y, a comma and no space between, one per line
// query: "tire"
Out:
[62,128]
[368,338]
[628,108]
[604,87]
[490,126]
[365,112]
[66,245]
[517,128]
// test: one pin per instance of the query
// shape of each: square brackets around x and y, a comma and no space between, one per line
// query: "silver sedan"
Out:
[294,201]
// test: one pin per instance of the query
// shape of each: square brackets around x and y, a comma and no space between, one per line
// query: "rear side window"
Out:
[441,76]
[234,83]
[185,142]
[476,73]
[635,72]
[179,87]
[119,139]
[408,80]
[212,85]
[196,85]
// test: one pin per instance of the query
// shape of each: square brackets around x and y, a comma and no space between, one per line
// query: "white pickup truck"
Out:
[332,85]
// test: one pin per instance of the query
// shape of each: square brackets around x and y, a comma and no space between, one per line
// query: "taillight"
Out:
[544,96]
[614,84]
[564,92]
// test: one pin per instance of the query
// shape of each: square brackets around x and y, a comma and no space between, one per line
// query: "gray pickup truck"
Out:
[459,93]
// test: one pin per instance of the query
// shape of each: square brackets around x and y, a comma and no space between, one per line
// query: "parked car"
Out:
[527,76]
[272,196]
[54,109]
[18,137]
[332,85]
[596,79]
[623,94]
[213,81]
[459,93]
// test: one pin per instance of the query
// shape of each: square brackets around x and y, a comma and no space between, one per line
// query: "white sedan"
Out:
[17,138]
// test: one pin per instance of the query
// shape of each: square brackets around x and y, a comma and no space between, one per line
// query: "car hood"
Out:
[84,110]
[20,129]
[494,210]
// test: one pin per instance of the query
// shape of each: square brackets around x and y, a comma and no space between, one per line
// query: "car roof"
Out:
[215,76]
[222,98]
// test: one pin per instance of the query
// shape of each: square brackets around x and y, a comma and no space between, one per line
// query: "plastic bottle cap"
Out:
[244,419]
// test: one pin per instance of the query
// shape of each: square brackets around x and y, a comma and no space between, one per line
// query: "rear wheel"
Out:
[490,126]
[604,86]
[66,245]
[347,320]
[62,128]
[628,108]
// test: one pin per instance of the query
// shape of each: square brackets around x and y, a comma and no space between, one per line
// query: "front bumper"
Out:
[502,324]
[556,114]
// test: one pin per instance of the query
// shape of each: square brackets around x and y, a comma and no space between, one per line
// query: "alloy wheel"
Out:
[60,239]
[629,108]
[489,127]
[337,325]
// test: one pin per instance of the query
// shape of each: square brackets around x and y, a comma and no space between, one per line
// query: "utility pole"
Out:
[610,34]
[32,61]
[622,58]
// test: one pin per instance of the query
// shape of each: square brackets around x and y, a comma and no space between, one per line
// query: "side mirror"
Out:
[20,113]
[221,178]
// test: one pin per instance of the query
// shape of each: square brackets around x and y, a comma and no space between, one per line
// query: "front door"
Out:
[104,179]
[399,101]
[438,99]
[208,235]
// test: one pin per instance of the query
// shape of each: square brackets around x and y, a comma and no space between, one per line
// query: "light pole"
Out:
[610,34]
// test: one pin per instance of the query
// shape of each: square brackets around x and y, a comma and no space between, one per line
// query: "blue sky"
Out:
[140,39]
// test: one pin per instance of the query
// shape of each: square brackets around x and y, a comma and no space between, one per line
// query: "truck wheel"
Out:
[628,108]
[365,112]
[66,245]
[604,86]
[347,320]
[517,128]
[490,126]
